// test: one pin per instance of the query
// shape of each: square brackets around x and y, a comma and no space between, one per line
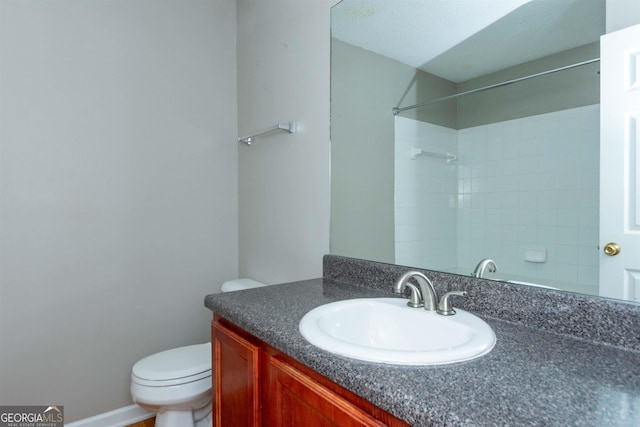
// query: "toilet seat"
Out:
[168,383]
[173,367]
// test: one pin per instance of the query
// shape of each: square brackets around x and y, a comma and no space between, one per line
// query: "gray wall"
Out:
[364,88]
[283,74]
[118,191]
[572,88]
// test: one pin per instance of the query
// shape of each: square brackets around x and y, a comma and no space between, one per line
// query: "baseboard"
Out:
[117,418]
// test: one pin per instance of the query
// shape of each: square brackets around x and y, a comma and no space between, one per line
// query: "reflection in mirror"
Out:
[509,173]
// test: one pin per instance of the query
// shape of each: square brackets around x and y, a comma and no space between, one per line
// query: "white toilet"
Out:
[176,383]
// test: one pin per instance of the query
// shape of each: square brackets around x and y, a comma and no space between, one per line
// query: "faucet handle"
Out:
[444,306]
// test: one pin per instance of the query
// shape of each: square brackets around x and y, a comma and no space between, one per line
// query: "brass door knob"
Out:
[612,249]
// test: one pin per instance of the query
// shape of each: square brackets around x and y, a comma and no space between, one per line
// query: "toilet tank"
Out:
[240,284]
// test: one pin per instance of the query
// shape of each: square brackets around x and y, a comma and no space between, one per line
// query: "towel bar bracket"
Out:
[289,127]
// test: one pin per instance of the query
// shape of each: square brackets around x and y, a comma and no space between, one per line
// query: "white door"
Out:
[620,164]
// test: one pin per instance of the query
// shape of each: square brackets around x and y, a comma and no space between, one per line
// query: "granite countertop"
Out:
[531,377]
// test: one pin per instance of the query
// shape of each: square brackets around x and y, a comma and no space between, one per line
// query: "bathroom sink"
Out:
[385,330]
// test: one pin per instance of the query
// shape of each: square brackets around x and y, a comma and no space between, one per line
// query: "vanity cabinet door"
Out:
[236,379]
[293,400]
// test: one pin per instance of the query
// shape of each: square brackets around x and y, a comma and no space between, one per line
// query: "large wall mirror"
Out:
[508,172]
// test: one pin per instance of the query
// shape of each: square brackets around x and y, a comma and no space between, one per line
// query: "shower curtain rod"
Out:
[398,110]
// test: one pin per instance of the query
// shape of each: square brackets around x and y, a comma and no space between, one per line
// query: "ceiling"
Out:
[462,39]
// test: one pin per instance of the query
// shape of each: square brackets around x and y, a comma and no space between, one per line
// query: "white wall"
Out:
[283,74]
[622,14]
[118,192]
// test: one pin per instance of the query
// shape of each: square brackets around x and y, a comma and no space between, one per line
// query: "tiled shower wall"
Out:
[425,195]
[530,183]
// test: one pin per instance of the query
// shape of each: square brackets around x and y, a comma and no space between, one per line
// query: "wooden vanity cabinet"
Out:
[255,385]
[237,399]
[295,400]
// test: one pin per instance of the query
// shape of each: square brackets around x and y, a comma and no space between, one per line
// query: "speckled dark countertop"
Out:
[531,377]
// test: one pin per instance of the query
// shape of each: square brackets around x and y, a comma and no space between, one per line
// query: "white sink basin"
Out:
[385,330]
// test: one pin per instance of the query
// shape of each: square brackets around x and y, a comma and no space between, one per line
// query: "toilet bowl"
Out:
[176,383]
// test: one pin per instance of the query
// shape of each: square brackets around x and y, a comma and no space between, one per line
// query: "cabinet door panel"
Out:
[236,384]
[295,400]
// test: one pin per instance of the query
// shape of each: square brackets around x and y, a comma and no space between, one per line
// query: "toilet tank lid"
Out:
[176,363]
[239,284]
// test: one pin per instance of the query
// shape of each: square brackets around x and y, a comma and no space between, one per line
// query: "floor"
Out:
[144,423]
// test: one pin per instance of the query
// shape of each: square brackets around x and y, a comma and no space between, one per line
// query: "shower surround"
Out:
[518,185]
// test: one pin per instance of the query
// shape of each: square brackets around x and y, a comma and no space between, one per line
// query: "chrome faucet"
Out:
[482,266]
[424,296]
